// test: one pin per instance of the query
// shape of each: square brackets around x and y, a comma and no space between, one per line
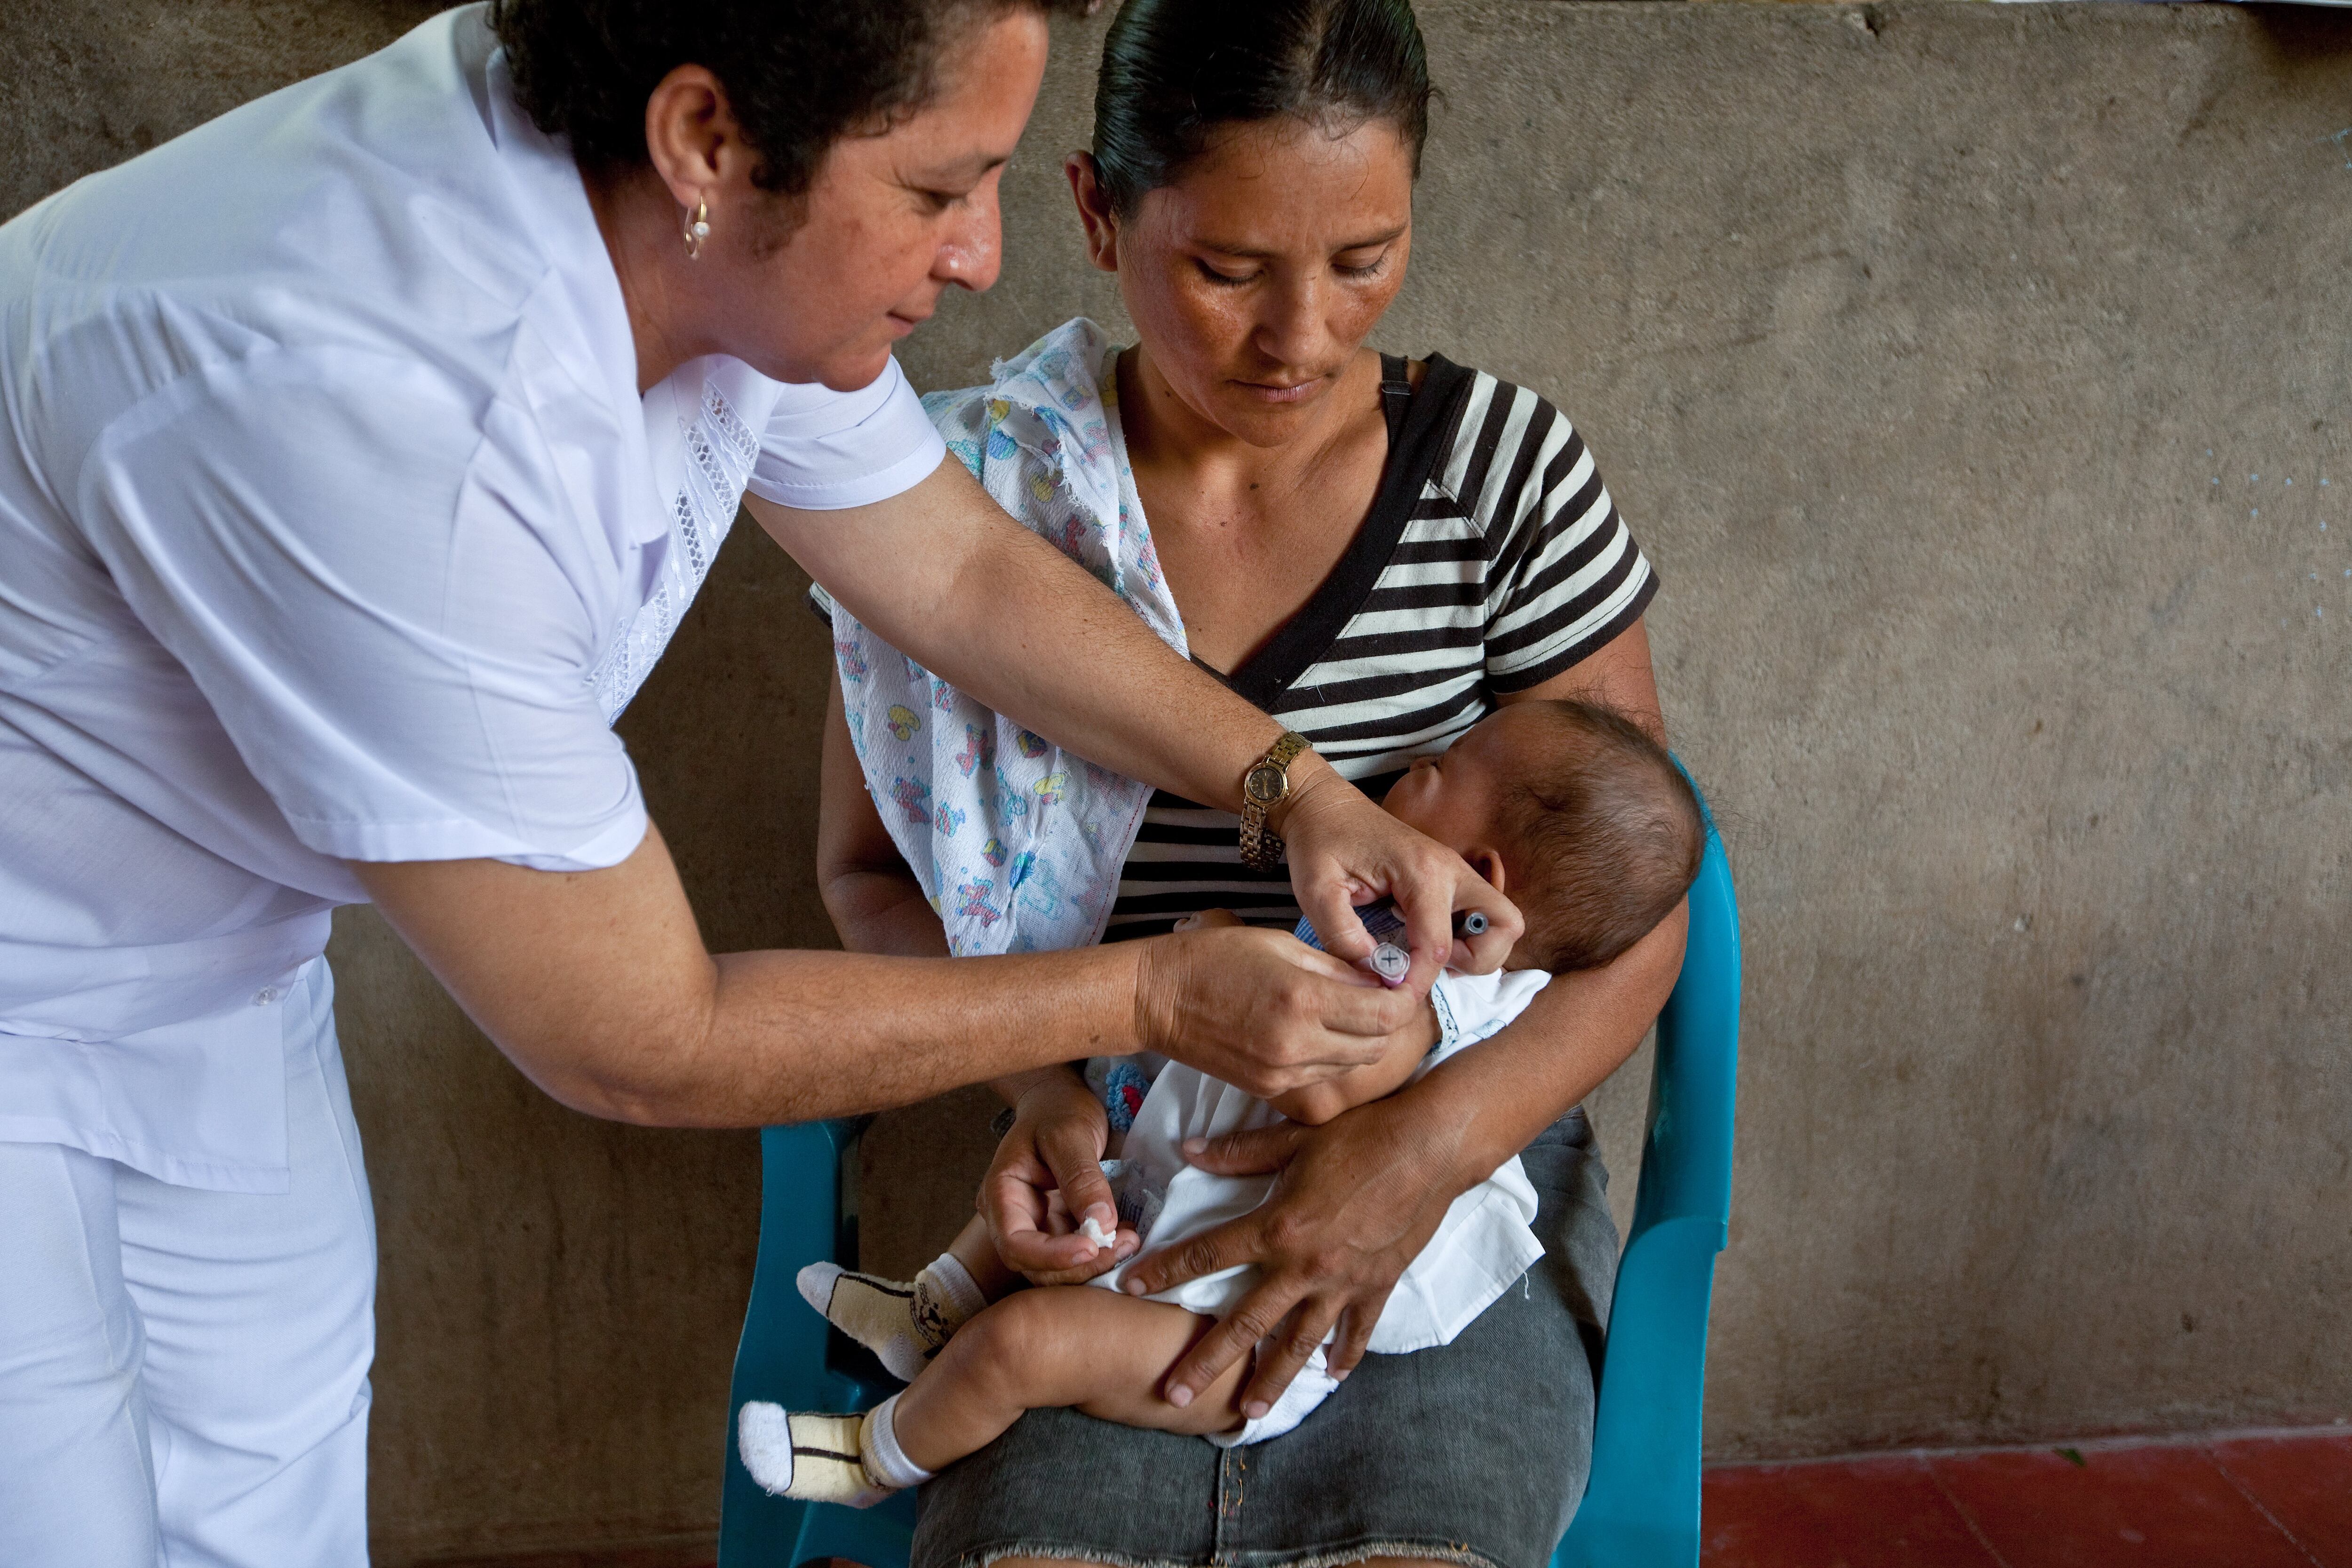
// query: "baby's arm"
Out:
[1056,1345]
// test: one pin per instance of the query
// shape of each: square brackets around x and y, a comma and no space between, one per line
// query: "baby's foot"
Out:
[903,1324]
[813,1458]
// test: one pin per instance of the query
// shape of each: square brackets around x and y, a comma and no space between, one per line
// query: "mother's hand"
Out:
[1357,1200]
[1047,1177]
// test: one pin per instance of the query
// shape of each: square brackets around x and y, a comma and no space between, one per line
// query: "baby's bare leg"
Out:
[976,1250]
[905,1321]
[1058,1345]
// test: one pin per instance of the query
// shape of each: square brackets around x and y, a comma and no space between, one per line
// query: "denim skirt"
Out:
[1474,1452]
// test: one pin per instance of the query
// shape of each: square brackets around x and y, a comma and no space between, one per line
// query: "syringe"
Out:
[1392,952]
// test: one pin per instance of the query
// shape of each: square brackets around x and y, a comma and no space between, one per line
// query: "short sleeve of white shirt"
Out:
[390,600]
[819,448]
[384,599]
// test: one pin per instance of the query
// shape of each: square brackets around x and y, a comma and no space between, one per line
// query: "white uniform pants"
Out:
[183,1373]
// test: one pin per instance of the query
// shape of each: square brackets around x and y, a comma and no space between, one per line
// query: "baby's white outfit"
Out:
[1480,1249]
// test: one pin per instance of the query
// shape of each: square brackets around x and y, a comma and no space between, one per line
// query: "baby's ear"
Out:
[1488,864]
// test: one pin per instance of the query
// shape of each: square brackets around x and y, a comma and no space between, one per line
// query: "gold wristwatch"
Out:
[1263,787]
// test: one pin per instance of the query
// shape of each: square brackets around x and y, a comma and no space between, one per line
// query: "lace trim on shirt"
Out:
[721,450]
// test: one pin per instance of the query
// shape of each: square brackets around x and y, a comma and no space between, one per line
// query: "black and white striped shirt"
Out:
[1491,560]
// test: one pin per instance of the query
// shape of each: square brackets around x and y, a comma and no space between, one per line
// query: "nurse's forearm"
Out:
[1020,1011]
[1100,683]
[942,573]
[597,985]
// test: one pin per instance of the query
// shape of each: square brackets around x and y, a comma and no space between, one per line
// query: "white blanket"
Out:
[1481,1247]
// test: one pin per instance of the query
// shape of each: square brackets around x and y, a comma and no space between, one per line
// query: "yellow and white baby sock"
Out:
[850,1459]
[904,1324]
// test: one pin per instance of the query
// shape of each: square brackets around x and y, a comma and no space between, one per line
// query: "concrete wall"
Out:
[1934,351]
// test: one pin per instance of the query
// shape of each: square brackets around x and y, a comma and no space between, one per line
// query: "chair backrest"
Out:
[1641,1506]
[1694,1087]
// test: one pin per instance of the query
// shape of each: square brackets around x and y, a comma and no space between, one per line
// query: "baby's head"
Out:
[1573,811]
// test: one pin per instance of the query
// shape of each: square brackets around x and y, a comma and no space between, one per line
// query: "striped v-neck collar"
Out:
[1416,449]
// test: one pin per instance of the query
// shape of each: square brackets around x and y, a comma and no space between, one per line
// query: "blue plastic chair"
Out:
[1641,1506]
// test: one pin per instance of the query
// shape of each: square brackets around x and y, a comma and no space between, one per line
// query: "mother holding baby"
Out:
[1379,553]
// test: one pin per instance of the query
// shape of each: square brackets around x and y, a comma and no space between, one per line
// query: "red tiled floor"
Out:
[1857,1514]
[2305,1482]
[2161,1506]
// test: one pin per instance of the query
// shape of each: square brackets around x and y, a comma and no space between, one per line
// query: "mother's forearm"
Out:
[884,912]
[1488,1102]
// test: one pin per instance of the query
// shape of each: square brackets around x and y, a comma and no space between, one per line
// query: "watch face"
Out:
[1265,783]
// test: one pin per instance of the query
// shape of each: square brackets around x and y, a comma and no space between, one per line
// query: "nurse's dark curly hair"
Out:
[799,74]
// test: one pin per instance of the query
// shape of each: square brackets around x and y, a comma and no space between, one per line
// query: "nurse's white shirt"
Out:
[333,527]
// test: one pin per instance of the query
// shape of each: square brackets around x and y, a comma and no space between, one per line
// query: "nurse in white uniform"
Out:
[358,453]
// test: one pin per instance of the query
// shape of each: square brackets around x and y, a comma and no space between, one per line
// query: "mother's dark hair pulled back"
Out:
[1174,72]
[799,74]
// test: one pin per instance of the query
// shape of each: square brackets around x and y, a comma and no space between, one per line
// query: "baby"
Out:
[1569,809]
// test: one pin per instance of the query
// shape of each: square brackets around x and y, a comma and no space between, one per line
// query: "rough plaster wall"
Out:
[1902,334]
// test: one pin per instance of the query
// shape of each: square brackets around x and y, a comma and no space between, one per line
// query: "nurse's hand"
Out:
[1262,1010]
[1344,850]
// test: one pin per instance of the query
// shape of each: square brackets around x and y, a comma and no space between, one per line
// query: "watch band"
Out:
[1263,787]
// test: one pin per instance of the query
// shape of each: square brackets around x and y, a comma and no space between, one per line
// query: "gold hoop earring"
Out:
[696,230]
